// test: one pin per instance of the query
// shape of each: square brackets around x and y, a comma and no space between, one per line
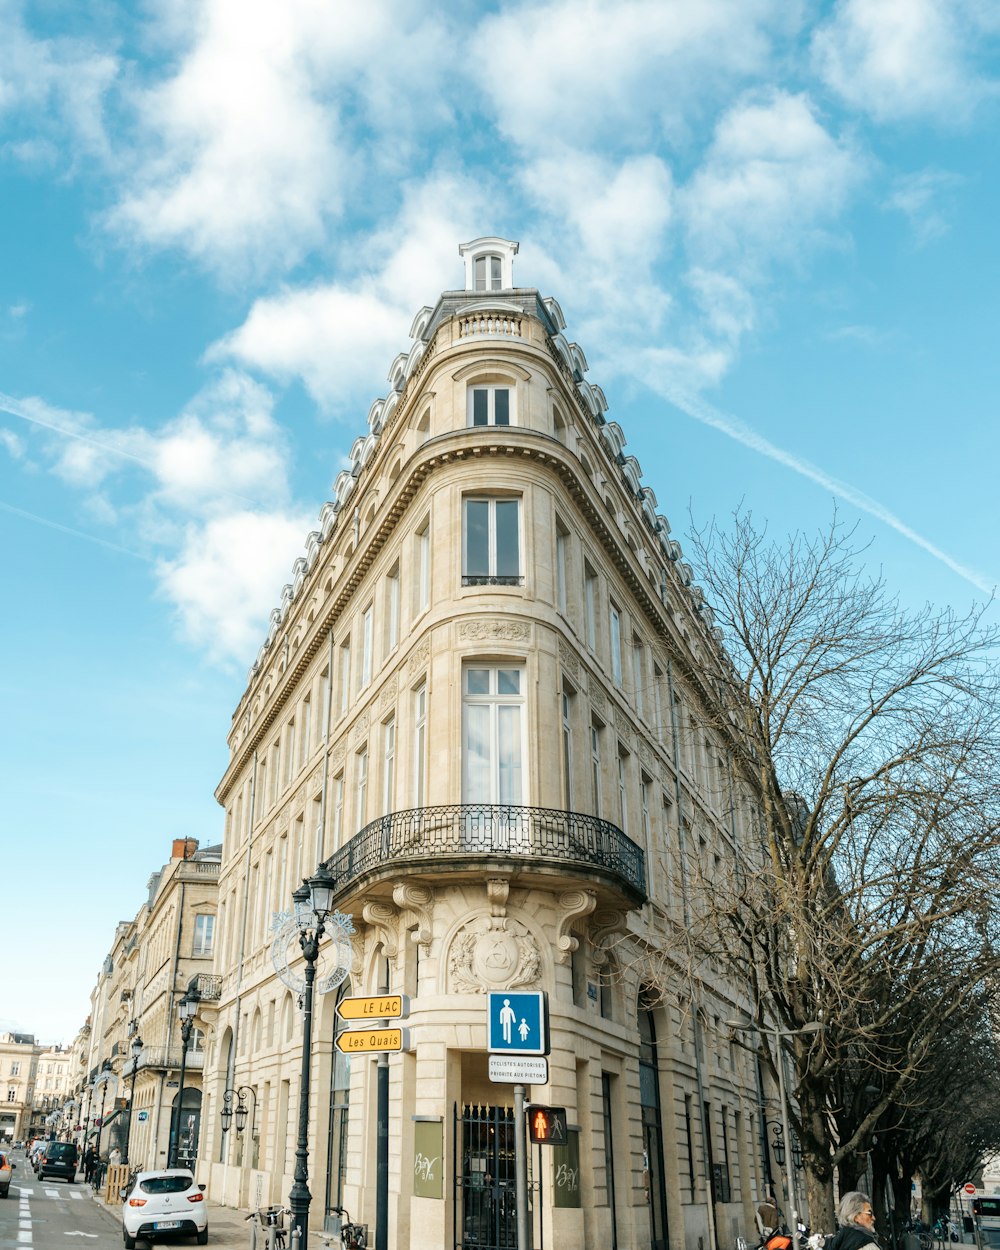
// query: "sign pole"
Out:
[521,1170]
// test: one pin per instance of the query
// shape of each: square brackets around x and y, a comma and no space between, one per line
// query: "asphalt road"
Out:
[53,1215]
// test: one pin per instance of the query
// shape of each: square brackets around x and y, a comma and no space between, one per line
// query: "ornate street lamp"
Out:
[782,1132]
[314,901]
[240,1112]
[187,1009]
[136,1052]
[107,1074]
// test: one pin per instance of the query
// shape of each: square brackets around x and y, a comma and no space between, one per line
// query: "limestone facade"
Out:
[168,947]
[481,703]
[18,1068]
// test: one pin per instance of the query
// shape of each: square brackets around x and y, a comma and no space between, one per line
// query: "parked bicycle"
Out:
[352,1236]
[267,1228]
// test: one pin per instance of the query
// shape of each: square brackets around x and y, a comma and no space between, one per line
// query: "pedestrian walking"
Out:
[88,1164]
[115,1157]
[857,1224]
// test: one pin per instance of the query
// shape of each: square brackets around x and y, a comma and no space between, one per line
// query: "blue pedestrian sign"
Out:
[518,1023]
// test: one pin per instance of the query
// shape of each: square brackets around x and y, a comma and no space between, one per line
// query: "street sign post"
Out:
[369,1041]
[377,1007]
[518,1022]
[531,1070]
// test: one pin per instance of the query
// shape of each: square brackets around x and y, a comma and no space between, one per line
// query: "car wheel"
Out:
[129,1241]
[203,1237]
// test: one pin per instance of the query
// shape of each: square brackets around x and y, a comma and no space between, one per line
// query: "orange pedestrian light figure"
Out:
[547,1126]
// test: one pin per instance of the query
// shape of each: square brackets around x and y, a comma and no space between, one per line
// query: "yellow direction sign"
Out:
[365,1041]
[379,1007]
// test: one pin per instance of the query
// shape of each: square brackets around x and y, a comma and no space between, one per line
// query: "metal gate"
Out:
[485,1194]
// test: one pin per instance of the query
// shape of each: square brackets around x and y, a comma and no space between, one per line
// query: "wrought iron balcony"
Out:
[492,579]
[170,1057]
[465,834]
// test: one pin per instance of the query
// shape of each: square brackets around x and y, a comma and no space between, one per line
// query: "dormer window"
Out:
[488,273]
[489,264]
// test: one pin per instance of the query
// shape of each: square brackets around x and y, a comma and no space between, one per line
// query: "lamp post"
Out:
[89,1091]
[781,1035]
[313,904]
[240,1094]
[136,1052]
[102,1080]
[187,1009]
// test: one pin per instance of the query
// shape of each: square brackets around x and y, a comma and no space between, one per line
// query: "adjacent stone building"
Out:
[18,1065]
[133,1037]
[486,703]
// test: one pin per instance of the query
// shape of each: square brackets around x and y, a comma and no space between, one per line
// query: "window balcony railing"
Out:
[471,831]
[492,579]
[168,1057]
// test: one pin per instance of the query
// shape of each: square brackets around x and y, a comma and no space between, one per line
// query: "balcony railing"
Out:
[464,831]
[492,579]
[208,986]
[169,1057]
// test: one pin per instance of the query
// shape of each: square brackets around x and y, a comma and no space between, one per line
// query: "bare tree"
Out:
[865,738]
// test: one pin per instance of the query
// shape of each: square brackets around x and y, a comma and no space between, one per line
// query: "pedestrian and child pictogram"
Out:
[518,1023]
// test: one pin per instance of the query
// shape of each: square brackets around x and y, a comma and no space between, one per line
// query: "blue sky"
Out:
[772,227]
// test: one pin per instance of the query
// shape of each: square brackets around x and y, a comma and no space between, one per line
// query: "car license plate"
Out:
[161,1224]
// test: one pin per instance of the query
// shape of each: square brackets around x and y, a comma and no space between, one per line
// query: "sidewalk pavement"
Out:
[227,1226]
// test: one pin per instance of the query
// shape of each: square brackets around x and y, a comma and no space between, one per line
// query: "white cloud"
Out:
[53,87]
[227,575]
[14,445]
[623,71]
[772,181]
[340,338]
[901,60]
[250,148]
[922,198]
[216,474]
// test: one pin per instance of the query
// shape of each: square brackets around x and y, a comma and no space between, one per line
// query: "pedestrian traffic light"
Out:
[547,1126]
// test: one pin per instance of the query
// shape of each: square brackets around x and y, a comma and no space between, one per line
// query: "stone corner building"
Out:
[478,704]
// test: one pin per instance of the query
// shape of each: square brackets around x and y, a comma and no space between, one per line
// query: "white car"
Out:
[166,1203]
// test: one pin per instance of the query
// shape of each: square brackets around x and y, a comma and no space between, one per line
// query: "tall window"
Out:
[424,566]
[305,737]
[388,763]
[366,647]
[590,604]
[616,646]
[338,809]
[638,678]
[623,789]
[419,744]
[658,697]
[204,935]
[493,737]
[489,405]
[595,764]
[567,745]
[492,542]
[345,674]
[361,788]
[392,608]
[289,752]
[562,545]
[487,273]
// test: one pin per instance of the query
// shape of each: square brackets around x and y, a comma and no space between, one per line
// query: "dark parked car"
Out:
[59,1158]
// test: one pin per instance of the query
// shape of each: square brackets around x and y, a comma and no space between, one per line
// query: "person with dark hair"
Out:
[857,1224]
